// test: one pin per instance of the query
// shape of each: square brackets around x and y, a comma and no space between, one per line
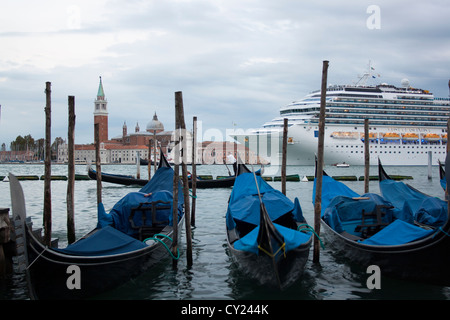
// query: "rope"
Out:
[40,254]
[308,227]
[441,230]
[273,255]
[162,242]
[194,197]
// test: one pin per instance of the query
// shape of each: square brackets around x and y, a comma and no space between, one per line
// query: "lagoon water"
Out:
[213,276]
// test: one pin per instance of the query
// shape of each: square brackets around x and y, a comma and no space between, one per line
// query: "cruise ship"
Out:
[407,126]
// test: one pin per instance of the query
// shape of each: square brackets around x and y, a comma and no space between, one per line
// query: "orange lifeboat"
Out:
[410,136]
[344,135]
[391,136]
[431,137]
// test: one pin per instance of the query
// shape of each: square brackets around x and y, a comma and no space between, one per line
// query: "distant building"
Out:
[17,156]
[126,147]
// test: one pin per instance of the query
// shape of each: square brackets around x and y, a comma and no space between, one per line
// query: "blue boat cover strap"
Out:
[293,239]
[105,241]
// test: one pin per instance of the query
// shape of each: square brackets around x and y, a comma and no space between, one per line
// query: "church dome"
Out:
[155,124]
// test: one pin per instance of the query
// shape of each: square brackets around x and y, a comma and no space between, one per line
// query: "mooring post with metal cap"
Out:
[319,169]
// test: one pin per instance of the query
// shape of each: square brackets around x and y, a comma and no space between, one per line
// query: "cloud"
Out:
[237,62]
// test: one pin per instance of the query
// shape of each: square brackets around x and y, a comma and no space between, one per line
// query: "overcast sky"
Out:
[236,61]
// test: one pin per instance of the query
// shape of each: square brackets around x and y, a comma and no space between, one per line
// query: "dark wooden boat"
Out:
[401,232]
[267,235]
[227,182]
[134,236]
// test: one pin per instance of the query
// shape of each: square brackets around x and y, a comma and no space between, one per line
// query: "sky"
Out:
[236,62]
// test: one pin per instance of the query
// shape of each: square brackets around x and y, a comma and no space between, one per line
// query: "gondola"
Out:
[404,232]
[134,236]
[267,235]
[227,182]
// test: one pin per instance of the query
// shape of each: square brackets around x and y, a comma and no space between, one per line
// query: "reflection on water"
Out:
[213,274]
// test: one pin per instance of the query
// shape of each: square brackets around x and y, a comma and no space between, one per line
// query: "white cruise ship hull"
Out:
[349,147]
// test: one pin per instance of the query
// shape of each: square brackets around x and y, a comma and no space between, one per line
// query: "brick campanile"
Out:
[101,113]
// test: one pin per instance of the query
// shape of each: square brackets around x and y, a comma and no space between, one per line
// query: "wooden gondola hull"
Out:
[426,260]
[261,268]
[127,181]
[51,276]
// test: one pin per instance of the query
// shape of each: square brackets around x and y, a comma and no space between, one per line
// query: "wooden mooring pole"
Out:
[176,179]
[98,167]
[284,156]
[179,111]
[71,173]
[366,156]
[155,146]
[149,164]
[47,216]
[318,198]
[194,170]
[5,236]
[138,165]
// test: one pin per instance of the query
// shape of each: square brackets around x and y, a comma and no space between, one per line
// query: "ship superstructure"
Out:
[405,125]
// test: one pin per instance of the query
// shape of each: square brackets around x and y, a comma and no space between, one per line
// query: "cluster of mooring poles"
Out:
[180,158]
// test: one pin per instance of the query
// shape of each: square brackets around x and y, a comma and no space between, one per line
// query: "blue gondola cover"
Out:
[244,205]
[105,241]
[342,207]
[292,238]
[159,188]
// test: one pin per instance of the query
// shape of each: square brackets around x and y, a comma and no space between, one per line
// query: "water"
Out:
[213,276]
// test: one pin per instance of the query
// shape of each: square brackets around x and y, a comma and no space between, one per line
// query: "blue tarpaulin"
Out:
[342,211]
[160,187]
[398,232]
[244,205]
[423,208]
[292,239]
[105,241]
[330,189]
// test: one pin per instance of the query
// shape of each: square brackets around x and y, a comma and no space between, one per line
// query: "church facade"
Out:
[124,148]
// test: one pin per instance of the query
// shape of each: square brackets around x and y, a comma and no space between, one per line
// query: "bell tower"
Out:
[101,113]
